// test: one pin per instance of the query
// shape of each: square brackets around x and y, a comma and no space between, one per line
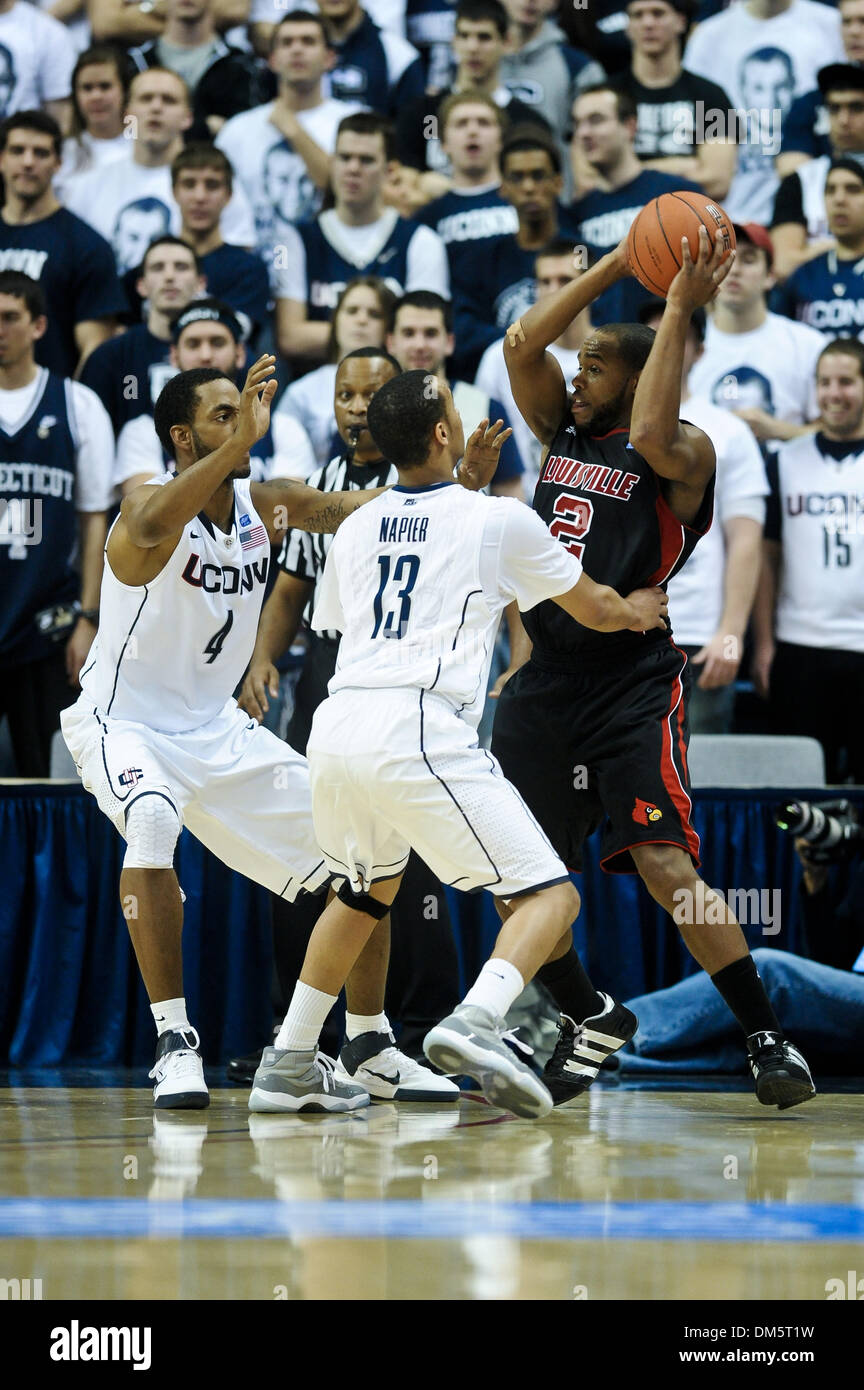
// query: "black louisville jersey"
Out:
[602,501]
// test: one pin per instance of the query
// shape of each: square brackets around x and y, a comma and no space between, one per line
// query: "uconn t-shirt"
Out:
[827,294]
[606,505]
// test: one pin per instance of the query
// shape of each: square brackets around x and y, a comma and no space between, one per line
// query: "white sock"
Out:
[307,1012]
[496,987]
[170,1016]
[355,1024]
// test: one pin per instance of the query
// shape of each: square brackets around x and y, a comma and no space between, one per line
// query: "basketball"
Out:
[654,241]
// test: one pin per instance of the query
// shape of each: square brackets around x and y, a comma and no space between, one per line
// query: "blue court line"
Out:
[113,1217]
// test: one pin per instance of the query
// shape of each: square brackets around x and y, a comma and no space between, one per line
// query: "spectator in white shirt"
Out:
[759,364]
[130,202]
[37,56]
[100,83]
[765,53]
[281,151]
[711,598]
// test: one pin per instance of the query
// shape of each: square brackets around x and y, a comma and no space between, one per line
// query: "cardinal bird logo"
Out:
[645,811]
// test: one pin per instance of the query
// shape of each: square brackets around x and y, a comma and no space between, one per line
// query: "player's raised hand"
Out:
[258,391]
[652,605]
[698,281]
[482,452]
[253,696]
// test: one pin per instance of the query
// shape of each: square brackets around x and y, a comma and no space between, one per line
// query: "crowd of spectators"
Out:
[191,182]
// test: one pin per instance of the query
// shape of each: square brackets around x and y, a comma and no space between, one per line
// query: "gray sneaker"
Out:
[301,1081]
[470,1043]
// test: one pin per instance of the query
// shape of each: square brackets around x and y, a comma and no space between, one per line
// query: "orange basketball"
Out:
[654,241]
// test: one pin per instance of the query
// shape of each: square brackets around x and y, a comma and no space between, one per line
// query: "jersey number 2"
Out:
[579,513]
[405,573]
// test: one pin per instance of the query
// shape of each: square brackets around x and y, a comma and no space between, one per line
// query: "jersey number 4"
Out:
[214,646]
[573,521]
[387,622]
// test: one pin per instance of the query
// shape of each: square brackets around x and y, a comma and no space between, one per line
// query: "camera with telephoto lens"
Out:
[830,828]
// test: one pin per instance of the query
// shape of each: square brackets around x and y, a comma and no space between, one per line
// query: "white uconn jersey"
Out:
[416,581]
[170,653]
[820,596]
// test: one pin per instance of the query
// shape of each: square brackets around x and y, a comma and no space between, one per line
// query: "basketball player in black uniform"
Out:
[628,488]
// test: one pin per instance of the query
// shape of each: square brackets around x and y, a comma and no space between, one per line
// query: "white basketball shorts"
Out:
[239,789]
[394,770]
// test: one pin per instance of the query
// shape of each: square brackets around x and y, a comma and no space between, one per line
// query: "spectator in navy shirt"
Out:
[828,292]
[805,125]
[202,181]
[129,372]
[799,227]
[71,262]
[496,277]
[605,131]
[373,67]
[473,210]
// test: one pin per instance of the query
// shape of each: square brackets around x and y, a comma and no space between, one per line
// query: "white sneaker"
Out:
[179,1072]
[374,1060]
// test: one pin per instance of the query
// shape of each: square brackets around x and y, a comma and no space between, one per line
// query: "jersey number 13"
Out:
[392,591]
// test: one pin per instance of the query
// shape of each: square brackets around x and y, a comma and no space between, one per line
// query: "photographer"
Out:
[56,459]
[830,845]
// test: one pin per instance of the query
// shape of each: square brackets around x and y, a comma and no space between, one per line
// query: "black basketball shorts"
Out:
[607,740]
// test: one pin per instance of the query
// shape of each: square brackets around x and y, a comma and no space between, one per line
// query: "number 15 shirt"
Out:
[816,512]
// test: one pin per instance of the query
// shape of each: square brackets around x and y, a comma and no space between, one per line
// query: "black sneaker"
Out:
[243,1069]
[782,1076]
[582,1048]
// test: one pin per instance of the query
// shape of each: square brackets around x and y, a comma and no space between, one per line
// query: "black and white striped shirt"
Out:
[303,554]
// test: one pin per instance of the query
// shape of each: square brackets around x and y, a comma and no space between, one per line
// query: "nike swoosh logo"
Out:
[391,1080]
[194,535]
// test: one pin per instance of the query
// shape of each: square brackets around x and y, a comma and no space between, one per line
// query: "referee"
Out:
[423,979]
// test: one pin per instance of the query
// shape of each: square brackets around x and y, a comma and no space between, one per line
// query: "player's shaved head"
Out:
[179,400]
[403,415]
[629,342]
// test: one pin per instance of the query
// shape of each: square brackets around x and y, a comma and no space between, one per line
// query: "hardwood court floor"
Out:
[642,1194]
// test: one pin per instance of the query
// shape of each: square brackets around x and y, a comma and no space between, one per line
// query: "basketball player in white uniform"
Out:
[155,733]
[417,583]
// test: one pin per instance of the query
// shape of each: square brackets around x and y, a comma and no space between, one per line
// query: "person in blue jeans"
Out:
[686,1028]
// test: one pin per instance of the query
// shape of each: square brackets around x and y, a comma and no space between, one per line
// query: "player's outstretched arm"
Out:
[676,450]
[153,515]
[603,609]
[283,503]
[536,378]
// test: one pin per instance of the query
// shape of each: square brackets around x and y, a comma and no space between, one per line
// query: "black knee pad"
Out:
[362,902]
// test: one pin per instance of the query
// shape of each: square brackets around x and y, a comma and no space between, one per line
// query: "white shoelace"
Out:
[326,1065]
[179,1053]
